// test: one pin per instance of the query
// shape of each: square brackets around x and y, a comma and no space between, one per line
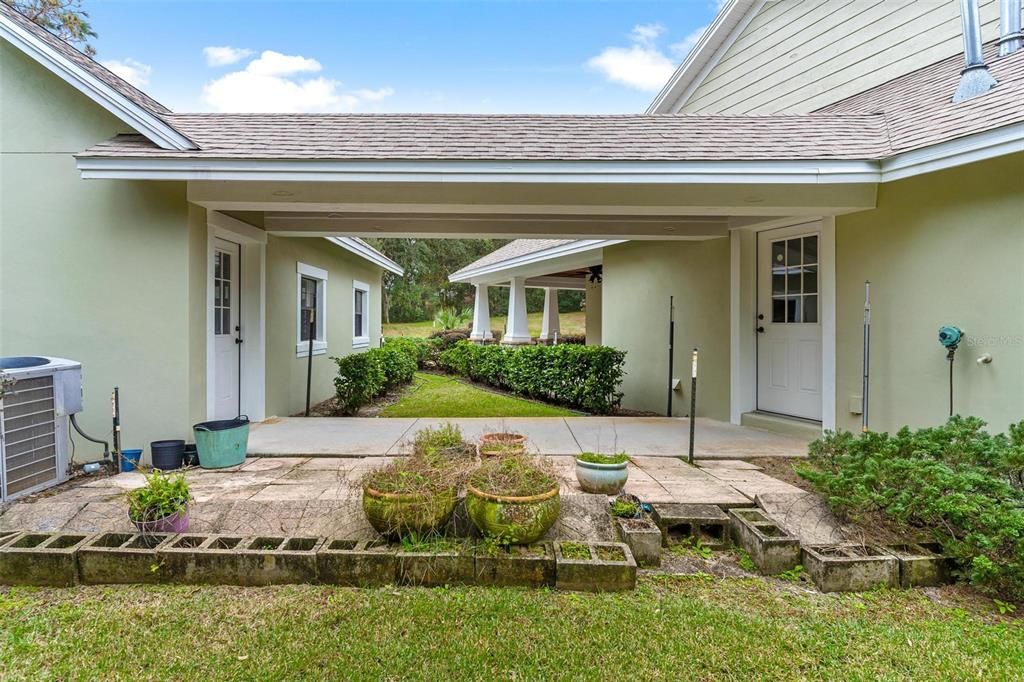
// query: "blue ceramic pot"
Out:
[607,479]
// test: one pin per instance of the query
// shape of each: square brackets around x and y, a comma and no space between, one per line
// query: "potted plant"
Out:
[161,505]
[416,496]
[513,499]
[604,474]
[502,444]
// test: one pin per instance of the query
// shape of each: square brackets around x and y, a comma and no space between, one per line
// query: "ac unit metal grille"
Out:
[30,438]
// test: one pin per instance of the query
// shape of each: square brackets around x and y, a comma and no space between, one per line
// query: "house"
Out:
[932,213]
[194,312]
[110,235]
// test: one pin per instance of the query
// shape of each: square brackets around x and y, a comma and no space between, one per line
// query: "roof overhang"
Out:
[577,254]
[618,172]
[153,127]
[712,45]
[366,252]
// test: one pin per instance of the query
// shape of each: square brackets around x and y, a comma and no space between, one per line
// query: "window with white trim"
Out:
[360,314]
[311,318]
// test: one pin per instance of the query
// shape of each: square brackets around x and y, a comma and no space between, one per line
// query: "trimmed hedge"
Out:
[364,376]
[955,482]
[583,377]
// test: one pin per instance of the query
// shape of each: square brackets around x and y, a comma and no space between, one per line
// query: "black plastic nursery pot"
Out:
[167,454]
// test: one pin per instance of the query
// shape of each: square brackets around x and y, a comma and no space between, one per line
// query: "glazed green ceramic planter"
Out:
[395,514]
[517,520]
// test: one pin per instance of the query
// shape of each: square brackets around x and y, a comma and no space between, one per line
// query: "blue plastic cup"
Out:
[130,459]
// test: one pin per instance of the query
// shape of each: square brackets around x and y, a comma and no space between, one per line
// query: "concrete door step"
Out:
[777,423]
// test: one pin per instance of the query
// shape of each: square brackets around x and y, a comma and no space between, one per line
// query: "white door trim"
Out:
[743,318]
[252,311]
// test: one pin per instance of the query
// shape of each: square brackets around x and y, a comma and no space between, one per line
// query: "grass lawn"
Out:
[671,628]
[570,323]
[432,395]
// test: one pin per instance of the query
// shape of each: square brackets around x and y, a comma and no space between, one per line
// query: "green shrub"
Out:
[418,348]
[955,482]
[584,377]
[360,379]
[398,362]
[163,495]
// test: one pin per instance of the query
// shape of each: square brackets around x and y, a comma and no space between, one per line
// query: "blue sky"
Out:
[543,57]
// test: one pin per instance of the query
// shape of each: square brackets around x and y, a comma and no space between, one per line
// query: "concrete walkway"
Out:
[321,496]
[552,436]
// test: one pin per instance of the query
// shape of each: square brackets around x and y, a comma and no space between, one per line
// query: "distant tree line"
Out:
[425,289]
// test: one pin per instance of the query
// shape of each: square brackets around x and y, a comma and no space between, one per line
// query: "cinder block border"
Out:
[597,573]
[643,538]
[516,566]
[46,559]
[850,568]
[122,558]
[772,549]
[356,563]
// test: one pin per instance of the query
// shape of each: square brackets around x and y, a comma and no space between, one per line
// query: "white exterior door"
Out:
[789,321]
[226,329]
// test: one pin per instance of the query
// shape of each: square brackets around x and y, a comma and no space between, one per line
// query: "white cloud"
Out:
[646,34]
[272,83]
[683,47]
[223,55]
[132,70]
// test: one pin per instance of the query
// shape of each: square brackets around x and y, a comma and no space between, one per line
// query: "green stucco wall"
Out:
[941,248]
[286,373]
[594,308]
[639,277]
[95,271]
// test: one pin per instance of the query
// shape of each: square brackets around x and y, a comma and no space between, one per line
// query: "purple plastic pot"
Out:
[175,523]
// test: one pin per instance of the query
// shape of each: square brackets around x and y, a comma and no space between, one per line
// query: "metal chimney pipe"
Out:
[975,79]
[1010,37]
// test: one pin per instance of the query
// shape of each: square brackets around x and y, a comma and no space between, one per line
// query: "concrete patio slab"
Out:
[326,436]
[664,437]
[804,515]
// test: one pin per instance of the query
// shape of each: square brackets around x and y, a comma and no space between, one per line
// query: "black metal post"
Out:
[671,350]
[115,408]
[693,404]
[309,358]
[867,356]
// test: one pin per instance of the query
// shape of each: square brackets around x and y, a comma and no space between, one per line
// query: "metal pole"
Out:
[693,403]
[309,359]
[115,408]
[671,350]
[867,356]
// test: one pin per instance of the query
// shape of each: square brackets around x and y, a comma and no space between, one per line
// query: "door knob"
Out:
[760,330]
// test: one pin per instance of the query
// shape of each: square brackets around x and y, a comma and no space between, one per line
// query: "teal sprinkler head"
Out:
[950,337]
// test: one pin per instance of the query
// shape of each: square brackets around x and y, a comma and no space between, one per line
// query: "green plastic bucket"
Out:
[222,443]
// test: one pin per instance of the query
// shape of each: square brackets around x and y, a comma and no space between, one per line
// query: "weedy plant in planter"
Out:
[161,505]
[502,444]
[513,499]
[605,474]
[417,495]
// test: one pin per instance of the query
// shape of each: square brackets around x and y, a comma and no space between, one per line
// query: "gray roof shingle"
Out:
[514,249]
[86,62]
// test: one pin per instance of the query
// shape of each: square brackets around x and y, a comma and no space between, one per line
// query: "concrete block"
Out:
[771,548]
[239,560]
[850,568]
[356,563]
[435,569]
[122,558]
[609,567]
[683,522]
[922,564]
[643,538]
[516,565]
[41,559]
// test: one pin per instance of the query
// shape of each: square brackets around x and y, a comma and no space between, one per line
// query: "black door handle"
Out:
[760,330]
[238,340]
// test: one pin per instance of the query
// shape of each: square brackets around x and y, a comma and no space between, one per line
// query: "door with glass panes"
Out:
[227,337]
[789,321]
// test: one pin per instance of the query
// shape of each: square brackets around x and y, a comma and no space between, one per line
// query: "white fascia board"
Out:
[368,253]
[705,55]
[153,127]
[561,251]
[990,144]
[603,172]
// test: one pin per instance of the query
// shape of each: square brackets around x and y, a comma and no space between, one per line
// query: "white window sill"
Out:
[361,342]
[302,348]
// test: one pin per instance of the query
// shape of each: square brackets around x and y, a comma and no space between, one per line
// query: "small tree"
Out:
[64,18]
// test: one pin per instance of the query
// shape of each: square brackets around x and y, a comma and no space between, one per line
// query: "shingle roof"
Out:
[516,137]
[919,109]
[86,62]
[514,249]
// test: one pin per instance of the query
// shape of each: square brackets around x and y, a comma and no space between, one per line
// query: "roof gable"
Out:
[129,104]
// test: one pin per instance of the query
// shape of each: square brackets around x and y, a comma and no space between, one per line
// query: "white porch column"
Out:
[549,325]
[481,315]
[516,330]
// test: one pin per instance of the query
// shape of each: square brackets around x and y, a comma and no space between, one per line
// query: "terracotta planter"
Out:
[503,438]
[518,520]
[501,444]
[607,479]
[397,514]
